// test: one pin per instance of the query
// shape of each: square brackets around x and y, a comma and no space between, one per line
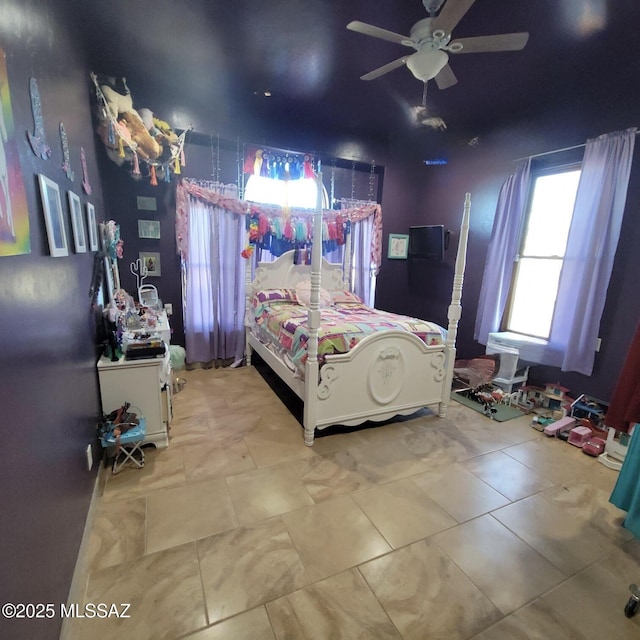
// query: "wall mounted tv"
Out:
[428,241]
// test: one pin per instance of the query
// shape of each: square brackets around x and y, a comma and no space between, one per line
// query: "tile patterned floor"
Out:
[451,529]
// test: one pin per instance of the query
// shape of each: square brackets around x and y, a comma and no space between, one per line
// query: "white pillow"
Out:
[303,293]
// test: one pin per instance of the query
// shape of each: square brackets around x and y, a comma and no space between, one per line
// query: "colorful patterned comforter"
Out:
[280,320]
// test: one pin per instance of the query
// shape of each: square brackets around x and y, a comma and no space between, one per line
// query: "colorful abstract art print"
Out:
[14,214]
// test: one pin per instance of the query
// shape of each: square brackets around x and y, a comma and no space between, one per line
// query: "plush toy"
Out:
[163,134]
[117,95]
[147,148]
[119,104]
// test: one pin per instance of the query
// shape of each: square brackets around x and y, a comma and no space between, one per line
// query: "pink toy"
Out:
[578,436]
[594,447]
[557,427]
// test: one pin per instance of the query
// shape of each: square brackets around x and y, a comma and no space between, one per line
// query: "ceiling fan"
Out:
[431,38]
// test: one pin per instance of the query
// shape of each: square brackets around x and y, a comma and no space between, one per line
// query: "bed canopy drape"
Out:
[274,219]
[212,227]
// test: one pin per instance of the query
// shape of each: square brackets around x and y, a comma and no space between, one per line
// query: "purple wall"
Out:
[49,392]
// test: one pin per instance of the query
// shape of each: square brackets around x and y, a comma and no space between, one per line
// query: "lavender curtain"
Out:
[214,282]
[363,279]
[503,247]
[591,248]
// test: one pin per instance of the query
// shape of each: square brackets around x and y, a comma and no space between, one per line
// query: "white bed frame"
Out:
[387,374]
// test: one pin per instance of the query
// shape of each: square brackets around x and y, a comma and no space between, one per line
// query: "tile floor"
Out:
[422,528]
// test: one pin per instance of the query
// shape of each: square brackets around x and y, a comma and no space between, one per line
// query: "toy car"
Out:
[594,446]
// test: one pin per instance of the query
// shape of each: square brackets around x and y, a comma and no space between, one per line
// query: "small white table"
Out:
[146,384]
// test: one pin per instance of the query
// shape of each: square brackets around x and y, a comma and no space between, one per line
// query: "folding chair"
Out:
[128,445]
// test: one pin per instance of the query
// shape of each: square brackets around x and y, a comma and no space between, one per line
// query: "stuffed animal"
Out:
[117,95]
[120,107]
[162,133]
[147,148]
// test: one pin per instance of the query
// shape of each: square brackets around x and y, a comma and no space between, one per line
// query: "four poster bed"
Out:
[391,365]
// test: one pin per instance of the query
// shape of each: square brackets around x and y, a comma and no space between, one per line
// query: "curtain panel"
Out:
[214,282]
[503,247]
[591,248]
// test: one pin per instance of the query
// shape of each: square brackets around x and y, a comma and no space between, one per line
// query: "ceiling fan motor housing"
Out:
[424,36]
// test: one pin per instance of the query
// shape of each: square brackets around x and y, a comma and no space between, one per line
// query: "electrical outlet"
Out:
[168,307]
[89,457]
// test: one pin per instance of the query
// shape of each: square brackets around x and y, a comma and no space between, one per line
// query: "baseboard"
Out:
[78,588]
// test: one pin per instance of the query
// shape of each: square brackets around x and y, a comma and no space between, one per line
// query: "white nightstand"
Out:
[146,384]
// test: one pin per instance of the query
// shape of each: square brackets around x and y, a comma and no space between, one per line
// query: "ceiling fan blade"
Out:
[482,44]
[446,78]
[380,71]
[452,12]
[377,32]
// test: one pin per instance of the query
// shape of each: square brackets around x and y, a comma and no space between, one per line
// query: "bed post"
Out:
[455,308]
[248,291]
[311,366]
[346,272]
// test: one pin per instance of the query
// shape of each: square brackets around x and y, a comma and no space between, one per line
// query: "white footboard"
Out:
[387,374]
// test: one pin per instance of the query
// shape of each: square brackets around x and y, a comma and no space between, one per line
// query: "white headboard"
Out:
[283,274]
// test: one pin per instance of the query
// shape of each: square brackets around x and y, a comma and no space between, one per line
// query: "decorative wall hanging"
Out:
[14,213]
[136,136]
[37,140]
[278,165]
[151,262]
[92,227]
[149,229]
[112,242]
[85,174]
[66,164]
[146,203]
[53,218]
[77,223]
[398,246]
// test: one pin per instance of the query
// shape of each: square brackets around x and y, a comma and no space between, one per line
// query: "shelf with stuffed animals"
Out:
[136,137]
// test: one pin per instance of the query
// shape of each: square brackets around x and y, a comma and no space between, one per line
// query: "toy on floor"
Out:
[557,427]
[487,396]
[579,436]
[632,605]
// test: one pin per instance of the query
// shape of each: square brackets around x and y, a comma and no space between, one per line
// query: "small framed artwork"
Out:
[92,227]
[149,229]
[77,223]
[152,263]
[145,203]
[53,217]
[398,246]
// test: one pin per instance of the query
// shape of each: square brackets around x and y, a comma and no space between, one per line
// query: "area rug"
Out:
[503,411]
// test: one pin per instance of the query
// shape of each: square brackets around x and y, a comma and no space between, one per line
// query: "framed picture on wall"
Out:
[53,217]
[149,229]
[151,261]
[92,227]
[77,223]
[398,246]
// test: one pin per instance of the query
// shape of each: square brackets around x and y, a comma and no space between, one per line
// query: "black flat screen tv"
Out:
[427,241]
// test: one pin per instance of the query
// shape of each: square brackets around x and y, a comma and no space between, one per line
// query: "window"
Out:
[540,260]
[300,193]
[576,299]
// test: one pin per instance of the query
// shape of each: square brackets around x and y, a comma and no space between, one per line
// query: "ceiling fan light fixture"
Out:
[427,64]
